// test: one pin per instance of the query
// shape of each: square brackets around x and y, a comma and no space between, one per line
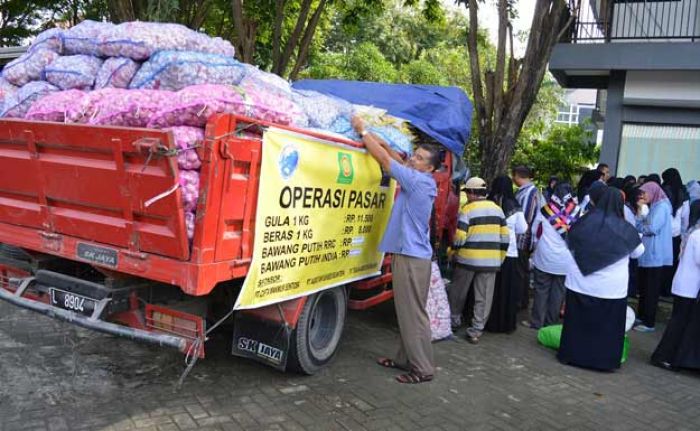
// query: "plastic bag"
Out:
[550,336]
[189,186]
[28,67]
[141,40]
[51,39]
[53,106]
[73,71]
[175,70]
[187,139]
[19,103]
[116,72]
[438,306]
[85,37]
[320,109]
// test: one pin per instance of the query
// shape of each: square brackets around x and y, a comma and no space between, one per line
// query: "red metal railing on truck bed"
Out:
[81,192]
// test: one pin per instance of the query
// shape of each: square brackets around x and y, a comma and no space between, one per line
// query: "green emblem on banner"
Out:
[346,171]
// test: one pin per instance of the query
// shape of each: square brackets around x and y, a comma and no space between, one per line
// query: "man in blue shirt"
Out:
[407,237]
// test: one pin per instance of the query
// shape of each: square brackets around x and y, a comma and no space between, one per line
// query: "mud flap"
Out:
[261,340]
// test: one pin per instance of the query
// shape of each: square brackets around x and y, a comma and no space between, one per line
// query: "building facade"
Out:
[644,58]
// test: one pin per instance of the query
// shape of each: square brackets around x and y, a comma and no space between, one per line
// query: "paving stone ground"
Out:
[56,377]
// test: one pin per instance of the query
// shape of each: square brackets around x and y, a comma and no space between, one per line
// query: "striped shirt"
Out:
[482,236]
[529,199]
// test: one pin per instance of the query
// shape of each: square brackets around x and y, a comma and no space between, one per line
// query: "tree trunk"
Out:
[502,111]
[307,39]
[245,33]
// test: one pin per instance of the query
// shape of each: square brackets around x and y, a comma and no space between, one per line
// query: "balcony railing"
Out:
[634,20]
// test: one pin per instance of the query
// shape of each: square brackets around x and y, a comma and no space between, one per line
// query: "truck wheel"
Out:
[315,339]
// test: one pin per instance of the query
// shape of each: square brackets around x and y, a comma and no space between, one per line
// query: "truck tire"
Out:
[317,335]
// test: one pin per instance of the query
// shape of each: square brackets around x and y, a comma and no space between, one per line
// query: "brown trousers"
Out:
[411,281]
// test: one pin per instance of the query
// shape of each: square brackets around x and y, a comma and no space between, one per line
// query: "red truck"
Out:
[78,244]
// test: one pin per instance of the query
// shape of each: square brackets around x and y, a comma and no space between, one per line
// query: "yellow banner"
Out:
[322,211]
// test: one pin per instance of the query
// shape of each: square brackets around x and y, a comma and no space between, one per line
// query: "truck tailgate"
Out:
[93,183]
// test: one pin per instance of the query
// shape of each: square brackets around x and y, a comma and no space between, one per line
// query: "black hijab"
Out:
[502,194]
[587,179]
[602,236]
[674,188]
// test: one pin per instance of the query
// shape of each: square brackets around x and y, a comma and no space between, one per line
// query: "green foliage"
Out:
[564,152]
[423,71]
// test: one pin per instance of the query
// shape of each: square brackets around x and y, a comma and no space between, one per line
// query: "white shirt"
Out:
[680,221]
[686,282]
[551,252]
[517,225]
[607,283]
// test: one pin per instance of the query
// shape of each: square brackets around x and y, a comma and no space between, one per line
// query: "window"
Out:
[646,149]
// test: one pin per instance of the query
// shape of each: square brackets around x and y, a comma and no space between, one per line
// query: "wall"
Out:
[668,88]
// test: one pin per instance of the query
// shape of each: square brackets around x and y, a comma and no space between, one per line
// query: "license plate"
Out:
[71,301]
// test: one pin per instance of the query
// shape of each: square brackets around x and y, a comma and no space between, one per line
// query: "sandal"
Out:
[389,363]
[413,377]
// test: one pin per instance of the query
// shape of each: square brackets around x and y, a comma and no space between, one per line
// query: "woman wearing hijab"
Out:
[655,228]
[680,210]
[506,298]
[552,257]
[584,185]
[693,188]
[550,187]
[679,346]
[601,243]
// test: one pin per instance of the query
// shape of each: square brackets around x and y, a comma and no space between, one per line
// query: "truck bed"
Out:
[107,196]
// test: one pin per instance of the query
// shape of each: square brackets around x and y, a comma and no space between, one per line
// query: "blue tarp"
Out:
[443,113]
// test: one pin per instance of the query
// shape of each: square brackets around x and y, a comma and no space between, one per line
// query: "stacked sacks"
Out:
[163,76]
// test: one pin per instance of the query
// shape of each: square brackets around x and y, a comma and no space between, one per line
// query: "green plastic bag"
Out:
[550,336]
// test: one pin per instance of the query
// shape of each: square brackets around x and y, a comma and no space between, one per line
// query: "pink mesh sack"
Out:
[189,186]
[53,107]
[119,107]
[187,139]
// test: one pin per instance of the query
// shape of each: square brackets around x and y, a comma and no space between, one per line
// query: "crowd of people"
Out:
[583,253]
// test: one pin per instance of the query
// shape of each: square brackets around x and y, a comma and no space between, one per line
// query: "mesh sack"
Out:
[6,91]
[258,77]
[197,103]
[141,40]
[116,72]
[175,70]
[201,42]
[28,67]
[118,107]
[51,39]
[19,103]
[186,140]
[84,38]
[73,71]
[189,187]
[53,106]
[268,104]
[321,110]
[438,306]
[193,105]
